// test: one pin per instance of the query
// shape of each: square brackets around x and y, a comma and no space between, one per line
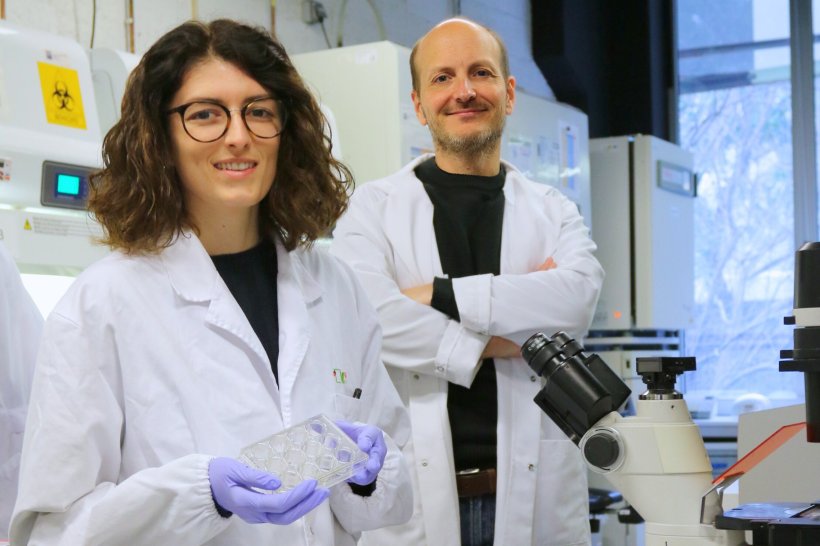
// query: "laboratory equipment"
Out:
[367,87]
[50,142]
[110,69]
[657,458]
[315,448]
[777,479]
[548,142]
[643,191]
[805,357]
[781,495]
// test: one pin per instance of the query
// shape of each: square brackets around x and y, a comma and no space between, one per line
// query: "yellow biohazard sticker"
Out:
[27,225]
[61,95]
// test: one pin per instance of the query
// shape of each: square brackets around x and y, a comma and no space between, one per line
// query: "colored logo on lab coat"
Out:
[62,99]
[340,375]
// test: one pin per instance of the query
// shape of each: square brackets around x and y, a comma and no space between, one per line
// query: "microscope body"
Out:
[655,459]
[662,470]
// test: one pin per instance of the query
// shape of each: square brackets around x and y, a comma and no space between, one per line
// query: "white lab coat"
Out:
[149,368]
[20,327]
[387,236]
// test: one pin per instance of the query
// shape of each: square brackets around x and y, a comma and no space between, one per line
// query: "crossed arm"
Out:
[496,312]
[497,346]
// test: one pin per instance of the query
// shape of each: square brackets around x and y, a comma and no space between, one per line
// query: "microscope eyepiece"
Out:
[579,389]
[542,354]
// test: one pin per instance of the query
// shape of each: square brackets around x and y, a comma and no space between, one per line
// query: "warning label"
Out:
[45,225]
[62,99]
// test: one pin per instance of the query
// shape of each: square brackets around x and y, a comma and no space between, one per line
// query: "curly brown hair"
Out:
[138,197]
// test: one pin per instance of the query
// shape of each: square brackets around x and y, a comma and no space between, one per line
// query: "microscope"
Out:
[656,458]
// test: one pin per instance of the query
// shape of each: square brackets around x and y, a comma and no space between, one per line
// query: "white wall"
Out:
[72,19]
[404,22]
[152,18]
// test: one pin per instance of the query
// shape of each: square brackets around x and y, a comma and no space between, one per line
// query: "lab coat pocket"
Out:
[562,499]
[347,407]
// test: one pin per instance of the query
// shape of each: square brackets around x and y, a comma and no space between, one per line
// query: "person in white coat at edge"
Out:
[212,324]
[20,327]
[464,259]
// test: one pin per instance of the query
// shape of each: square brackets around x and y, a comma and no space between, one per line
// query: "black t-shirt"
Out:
[251,278]
[468,212]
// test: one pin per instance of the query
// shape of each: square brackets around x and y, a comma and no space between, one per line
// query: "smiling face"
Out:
[229,177]
[463,95]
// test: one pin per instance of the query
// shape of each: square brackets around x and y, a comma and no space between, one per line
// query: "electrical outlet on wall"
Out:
[312,12]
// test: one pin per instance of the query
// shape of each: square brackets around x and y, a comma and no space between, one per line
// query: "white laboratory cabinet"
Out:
[367,88]
[549,142]
[110,69]
[50,141]
[643,191]
[51,135]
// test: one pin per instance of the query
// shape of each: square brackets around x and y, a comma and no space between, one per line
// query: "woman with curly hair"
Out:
[213,323]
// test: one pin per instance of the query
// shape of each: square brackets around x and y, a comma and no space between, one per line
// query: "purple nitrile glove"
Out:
[370,439]
[231,483]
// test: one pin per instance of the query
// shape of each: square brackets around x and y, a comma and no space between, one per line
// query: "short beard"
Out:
[469,146]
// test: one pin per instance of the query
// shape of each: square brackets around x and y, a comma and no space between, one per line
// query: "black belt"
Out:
[475,482]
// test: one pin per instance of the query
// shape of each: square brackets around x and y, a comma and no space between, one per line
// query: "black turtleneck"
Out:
[468,211]
[251,278]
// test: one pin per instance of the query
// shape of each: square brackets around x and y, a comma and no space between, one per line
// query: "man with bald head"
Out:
[465,258]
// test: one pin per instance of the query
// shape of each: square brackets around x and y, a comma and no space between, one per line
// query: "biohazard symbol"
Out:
[27,225]
[61,98]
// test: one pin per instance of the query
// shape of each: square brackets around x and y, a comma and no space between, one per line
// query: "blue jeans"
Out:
[477,520]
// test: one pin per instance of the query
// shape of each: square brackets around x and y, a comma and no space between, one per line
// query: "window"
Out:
[735,115]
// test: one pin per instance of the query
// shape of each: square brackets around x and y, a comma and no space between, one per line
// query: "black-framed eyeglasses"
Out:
[208,121]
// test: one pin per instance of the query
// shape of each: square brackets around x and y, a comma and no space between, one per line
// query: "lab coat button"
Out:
[415,376]
[531,467]
[533,378]
[424,463]
[440,369]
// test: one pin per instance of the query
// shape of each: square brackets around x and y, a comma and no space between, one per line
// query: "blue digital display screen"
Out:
[68,184]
